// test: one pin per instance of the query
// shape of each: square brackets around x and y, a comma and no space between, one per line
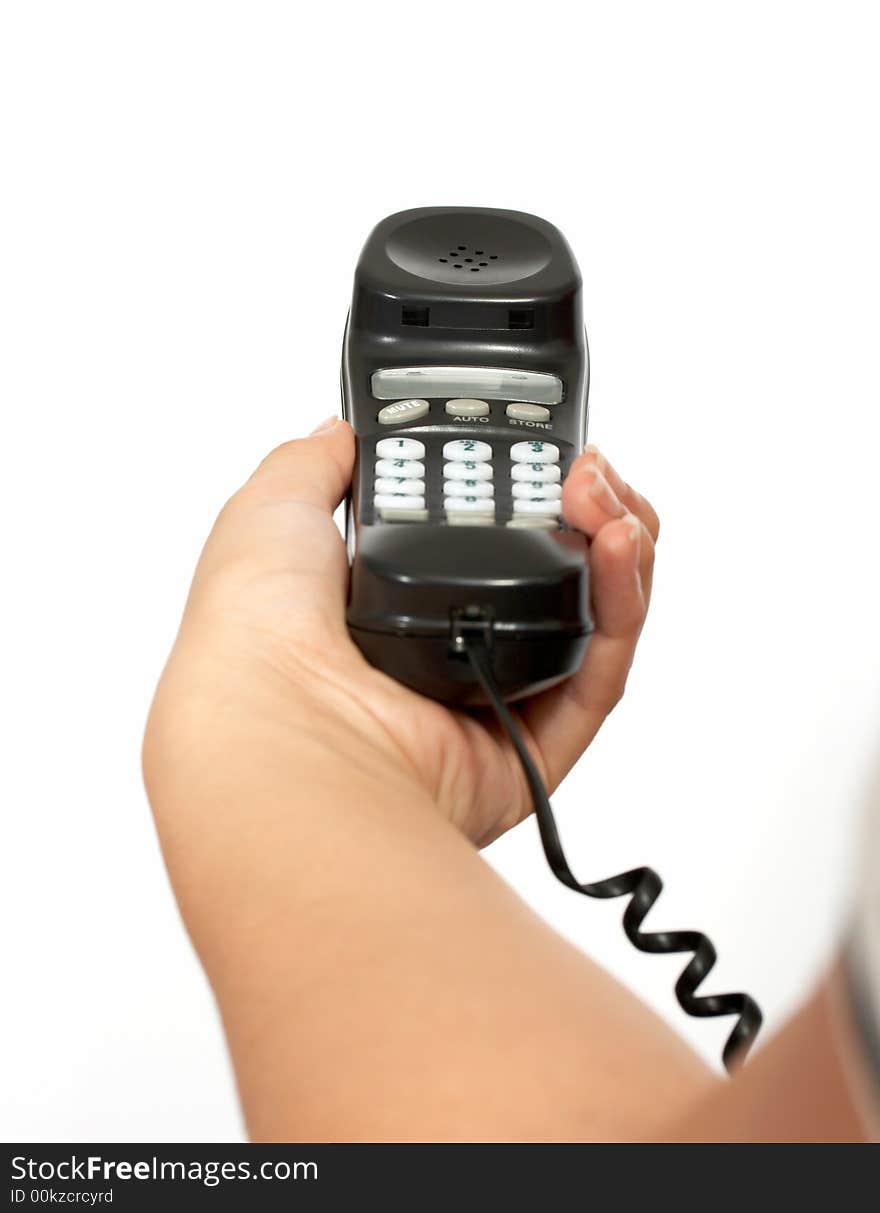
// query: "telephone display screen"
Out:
[485,383]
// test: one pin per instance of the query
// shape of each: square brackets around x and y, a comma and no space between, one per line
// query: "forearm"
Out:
[804,1086]
[378,981]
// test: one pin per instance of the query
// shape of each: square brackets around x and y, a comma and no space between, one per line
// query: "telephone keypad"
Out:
[464,486]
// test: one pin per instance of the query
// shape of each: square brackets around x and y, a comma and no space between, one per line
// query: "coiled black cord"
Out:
[643,886]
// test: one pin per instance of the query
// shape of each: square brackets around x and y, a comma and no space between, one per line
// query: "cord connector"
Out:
[467,624]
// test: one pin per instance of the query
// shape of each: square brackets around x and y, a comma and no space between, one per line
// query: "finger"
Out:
[625,493]
[588,500]
[315,470]
[616,578]
[647,551]
[565,719]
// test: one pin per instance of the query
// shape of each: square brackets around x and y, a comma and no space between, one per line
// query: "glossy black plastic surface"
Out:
[409,594]
[516,305]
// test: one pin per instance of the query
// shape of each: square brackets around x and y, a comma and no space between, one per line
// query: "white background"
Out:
[186,188]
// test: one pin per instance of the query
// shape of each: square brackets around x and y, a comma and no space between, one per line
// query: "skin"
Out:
[321,823]
[808,1085]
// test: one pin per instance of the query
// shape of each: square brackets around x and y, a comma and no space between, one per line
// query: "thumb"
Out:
[315,471]
[280,521]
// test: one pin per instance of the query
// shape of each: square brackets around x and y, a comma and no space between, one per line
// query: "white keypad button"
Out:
[468,470]
[460,519]
[532,506]
[468,505]
[524,489]
[400,448]
[468,488]
[469,450]
[546,473]
[403,469]
[403,410]
[534,452]
[410,488]
[398,515]
[537,521]
[398,501]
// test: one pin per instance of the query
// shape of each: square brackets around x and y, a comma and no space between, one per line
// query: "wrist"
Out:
[221,710]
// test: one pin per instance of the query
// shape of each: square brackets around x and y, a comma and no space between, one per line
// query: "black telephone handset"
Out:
[465,376]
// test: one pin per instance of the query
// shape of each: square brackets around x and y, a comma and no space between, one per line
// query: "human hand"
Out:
[263,652]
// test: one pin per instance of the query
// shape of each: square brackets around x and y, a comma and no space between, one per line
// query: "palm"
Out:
[282,570]
[460,756]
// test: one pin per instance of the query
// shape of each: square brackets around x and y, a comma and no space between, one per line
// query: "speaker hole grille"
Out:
[459,262]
